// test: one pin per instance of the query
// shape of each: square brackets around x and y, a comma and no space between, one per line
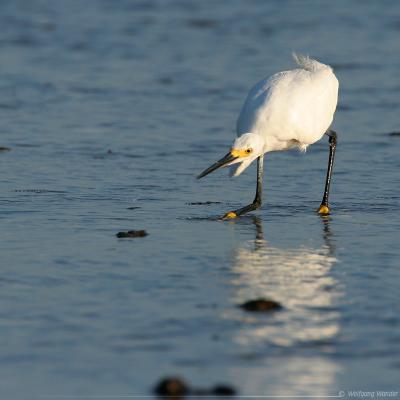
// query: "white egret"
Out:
[291,109]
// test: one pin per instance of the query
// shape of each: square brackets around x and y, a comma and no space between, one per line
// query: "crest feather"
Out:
[307,63]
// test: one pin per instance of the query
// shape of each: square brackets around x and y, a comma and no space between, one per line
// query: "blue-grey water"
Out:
[110,109]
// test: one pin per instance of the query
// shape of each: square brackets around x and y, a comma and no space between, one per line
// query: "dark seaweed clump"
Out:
[132,234]
[175,387]
[261,305]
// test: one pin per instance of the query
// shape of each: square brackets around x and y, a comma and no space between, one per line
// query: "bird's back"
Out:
[291,108]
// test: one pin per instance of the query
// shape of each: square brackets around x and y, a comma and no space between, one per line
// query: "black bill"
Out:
[223,162]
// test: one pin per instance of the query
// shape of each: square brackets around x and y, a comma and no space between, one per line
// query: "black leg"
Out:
[324,207]
[257,199]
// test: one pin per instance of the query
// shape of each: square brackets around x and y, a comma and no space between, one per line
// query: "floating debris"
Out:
[132,234]
[203,203]
[395,133]
[261,305]
[38,191]
[176,387]
[173,386]
[3,148]
[132,208]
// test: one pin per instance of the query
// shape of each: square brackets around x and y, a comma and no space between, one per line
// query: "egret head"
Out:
[245,149]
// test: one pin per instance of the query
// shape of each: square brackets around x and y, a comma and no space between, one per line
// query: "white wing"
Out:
[291,106]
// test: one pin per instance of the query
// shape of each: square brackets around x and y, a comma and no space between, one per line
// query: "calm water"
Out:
[110,109]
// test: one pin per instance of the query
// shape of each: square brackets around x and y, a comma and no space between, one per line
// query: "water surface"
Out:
[110,109]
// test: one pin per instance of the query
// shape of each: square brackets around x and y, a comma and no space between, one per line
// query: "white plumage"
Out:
[290,109]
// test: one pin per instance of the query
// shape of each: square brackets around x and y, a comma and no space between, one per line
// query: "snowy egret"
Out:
[291,109]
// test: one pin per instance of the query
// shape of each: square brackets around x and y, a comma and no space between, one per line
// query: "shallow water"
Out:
[110,109]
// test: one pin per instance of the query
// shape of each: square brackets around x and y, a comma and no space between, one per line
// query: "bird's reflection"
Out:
[300,279]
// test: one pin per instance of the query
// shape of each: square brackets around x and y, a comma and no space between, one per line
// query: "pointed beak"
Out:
[223,162]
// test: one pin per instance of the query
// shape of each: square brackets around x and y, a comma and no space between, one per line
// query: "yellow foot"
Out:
[323,210]
[229,215]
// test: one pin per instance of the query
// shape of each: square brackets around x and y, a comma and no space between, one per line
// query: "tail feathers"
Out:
[307,63]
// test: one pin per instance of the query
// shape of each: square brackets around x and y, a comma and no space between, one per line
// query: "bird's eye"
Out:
[248,151]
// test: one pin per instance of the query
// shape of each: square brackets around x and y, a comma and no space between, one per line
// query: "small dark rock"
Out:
[109,151]
[173,386]
[261,305]
[3,148]
[132,234]
[223,390]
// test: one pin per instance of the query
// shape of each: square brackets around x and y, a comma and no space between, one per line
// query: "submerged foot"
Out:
[241,211]
[229,215]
